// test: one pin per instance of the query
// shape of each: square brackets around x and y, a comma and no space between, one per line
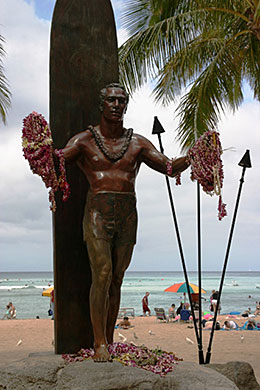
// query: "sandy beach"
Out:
[36,335]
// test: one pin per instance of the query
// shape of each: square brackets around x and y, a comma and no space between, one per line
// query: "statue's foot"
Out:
[101,354]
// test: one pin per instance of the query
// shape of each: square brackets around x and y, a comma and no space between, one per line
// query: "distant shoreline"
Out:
[144,272]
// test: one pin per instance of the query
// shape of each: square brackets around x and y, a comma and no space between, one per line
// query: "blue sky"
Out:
[25,219]
[43,8]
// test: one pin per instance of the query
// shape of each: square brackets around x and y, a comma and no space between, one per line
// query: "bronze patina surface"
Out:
[83,58]
[110,161]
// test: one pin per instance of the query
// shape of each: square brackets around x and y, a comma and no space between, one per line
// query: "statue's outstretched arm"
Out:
[159,162]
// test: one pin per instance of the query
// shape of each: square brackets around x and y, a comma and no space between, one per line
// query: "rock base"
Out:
[49,372]
[241,373]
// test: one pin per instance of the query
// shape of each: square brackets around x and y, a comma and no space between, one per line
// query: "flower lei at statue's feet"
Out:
[207,167]
[38,150]
[157,361]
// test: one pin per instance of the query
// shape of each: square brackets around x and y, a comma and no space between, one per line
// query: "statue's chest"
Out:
[96,159]
[113,149]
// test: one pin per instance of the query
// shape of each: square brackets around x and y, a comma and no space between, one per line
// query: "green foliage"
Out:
[205,48]
[5,95]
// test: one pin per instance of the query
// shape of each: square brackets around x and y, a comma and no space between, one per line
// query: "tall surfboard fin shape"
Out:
[83,59]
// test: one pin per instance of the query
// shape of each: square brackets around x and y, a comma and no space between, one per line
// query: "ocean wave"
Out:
[23,287]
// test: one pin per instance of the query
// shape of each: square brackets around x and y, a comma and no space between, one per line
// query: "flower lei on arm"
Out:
[169,169]
[207,167]
[37,149]
[157,361]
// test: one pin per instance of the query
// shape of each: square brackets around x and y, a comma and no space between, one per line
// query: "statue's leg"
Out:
[110,232]
[121,259]
[101,269]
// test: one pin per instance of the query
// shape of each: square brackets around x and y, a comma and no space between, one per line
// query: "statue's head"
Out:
[103,94]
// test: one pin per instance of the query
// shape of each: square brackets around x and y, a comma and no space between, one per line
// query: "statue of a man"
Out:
[110,157]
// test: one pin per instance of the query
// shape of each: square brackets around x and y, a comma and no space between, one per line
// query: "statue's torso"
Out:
[104,174]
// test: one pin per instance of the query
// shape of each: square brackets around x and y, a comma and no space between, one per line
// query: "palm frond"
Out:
[5,94]
[207,46]
[185,66]
[252,66]
[215,88]
[143,55]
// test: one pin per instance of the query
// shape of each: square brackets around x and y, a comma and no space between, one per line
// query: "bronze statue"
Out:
[110,157]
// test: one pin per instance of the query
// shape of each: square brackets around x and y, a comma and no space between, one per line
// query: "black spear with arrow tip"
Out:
[158,129]
[245,163]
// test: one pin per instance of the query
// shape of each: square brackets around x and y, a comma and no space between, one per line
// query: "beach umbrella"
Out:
[182,287]
[47,293]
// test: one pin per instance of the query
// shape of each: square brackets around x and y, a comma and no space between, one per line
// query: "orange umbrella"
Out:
[182,287]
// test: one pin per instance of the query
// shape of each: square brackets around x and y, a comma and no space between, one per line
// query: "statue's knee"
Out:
[117,280]
[102,275]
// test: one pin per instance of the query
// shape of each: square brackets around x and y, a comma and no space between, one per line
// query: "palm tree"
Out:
[5,95]
[205,49]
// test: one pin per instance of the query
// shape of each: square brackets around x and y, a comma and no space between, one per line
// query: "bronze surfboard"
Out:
[83,59]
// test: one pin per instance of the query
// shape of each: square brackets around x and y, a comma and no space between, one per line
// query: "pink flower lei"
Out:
[169,170]
[157,361]
[207,167]
[38,150]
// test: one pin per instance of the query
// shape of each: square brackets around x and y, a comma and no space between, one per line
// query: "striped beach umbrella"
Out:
[182,287]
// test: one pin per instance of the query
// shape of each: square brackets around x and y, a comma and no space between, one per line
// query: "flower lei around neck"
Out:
[112,156]
[207,167]
[38,150]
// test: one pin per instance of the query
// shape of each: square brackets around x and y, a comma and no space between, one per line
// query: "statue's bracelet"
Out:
[169,168]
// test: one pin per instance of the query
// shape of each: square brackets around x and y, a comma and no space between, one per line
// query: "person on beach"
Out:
[247,312]
[228,325]
[110,157]
[251,324]
[209,324]
[213,301]
[257,309]
[52,304]
[171,312]
[183,298]
[12,311]
[145,304]
[181,306]
[125,323]
[7,313]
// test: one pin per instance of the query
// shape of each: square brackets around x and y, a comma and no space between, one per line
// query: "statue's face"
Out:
[115,105]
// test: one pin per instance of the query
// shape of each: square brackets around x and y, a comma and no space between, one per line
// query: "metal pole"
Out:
[245,163]
[199,271]
[158,129]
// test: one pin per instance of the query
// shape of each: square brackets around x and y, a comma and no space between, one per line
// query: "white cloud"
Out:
[27,60]
[156,232]
[25,228]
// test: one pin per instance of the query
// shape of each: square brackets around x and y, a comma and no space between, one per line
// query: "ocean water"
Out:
[24,289]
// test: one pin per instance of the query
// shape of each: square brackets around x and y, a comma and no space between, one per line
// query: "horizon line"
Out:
[250,270]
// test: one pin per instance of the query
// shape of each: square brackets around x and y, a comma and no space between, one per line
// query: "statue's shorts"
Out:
[111,216]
